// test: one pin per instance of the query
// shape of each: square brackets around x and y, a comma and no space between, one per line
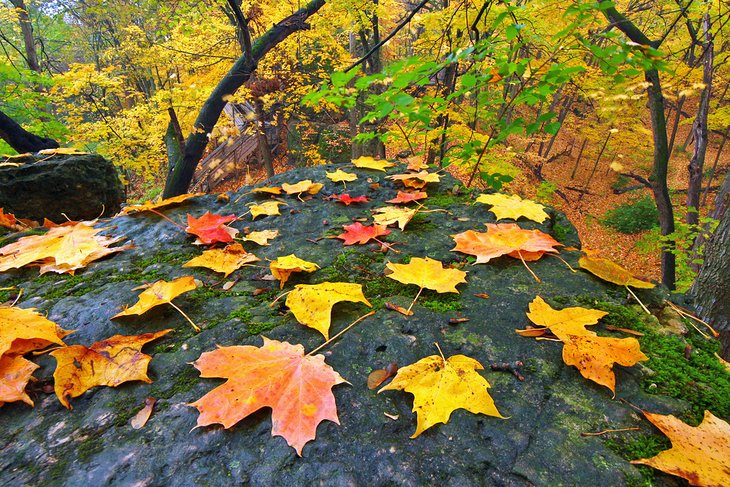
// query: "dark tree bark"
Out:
[661,146]
[26,29]
[181,174]
[20,139]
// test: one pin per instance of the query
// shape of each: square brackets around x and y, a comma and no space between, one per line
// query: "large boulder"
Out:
[81,187]
[539,443]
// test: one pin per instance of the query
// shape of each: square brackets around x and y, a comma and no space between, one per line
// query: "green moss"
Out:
[183,382]
[423,222]
[123,410]
[6,293]
[447,199]
[242,314]
[560,232]
[258,328]
[89,447]
[441,303]
[634,446]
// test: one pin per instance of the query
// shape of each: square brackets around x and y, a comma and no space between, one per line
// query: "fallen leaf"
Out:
[416,180]
[398,309]
[224,260]
[357,233]
[512,206]
[61,249]
[161,292]
[110,362]
[440,386]
[262,237]
[283,267]
[610,271]
[15,372]
[297,388]
[407,197]
[23,330]
[158,204]
[699,454]
[306,186]
[267,190]
[416,165]
[340,176]
[378,376]
[311,304]
[62,151]
[427,273]
[347,199]
[367,162]
[393,214]
[211,228]
[267,208]
[564,322]
[504,238]
[8,220]
[143,415]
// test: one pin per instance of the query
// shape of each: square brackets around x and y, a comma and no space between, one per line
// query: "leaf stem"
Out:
[528,267]
[638,300]
[610,431]
[168,219]
[561,260]
[386,245]
[414,300]
[195,327]
[440,352]
[340,333]
[684,312]
[271,305]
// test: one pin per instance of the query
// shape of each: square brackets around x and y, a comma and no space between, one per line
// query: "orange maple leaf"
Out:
[211,228]
[357,233]
[408,196]
[504,238]
[160,203]
[15,372]
[109,362]
[23,330]
[297,388]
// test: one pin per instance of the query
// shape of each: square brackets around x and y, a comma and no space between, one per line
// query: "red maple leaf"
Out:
[211,228]
[347,199]
[362,234]
[408,196]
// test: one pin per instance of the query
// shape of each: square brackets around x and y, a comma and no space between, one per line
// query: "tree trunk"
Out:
[180,175]
[20,139]
[264,149]
[700,130]
[26,29]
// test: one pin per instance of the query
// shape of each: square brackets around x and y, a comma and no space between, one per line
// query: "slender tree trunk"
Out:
[264,149]
[26,29]
[181,174]
[711,176]
[675,125]
[20,139]
[577,160]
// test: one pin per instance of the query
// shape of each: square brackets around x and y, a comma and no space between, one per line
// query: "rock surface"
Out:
[81,187]
[539,444]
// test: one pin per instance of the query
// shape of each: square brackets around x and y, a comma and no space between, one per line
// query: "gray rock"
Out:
[539,444]
[82,187]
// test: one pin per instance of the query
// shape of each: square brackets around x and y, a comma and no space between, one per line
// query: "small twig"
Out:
[195,327]
[685,312]
[528,267]
[509,367]
[271,305]
[610,431]
[386,245]
[638,300]
[340,333]
[168,219]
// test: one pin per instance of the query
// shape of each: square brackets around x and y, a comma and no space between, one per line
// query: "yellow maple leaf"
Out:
[225,260]
[109,362]
[427,273]
[312,304]
[610,271]
[564,322]
[62,151]
[441,386]
[24,329]
[367,162]
[512,206]
[161,292]
[699,454]
[159,203]
[267,190]
[416,164]
[306,186]
[261,237]
[393,214]
[283,267]
[423,177]
[340,176]
[267,208]
[15,372]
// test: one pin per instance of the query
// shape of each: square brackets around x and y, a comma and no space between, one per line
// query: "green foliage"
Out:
[633,217]
[545,191]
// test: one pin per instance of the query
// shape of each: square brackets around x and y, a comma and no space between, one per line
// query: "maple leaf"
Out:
[160,203]
[357,233]
[440,386]
[306,186]
[416,165]
[347,199]
[15,372]
[427,273]
[62,151]
[161,292]
[23,330]
[267,208]
[61,249]
[297,388]
[504,238]
[224,260]
[699,454]
[311,304]
[392,214]
[262,237]
[564,322]
[283,267]
[211,228]
[610,271]
[367,162]
[512,206]
[8,220]
[267,190]
[340,176]
[110,362]
[407,197]
[416,180]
